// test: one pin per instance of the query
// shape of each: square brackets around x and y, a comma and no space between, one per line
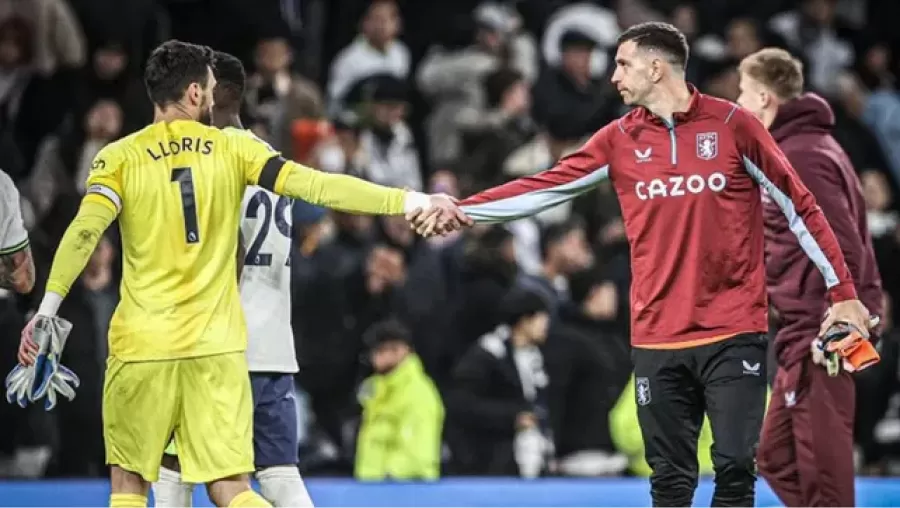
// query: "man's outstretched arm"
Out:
[265,167]
[99,208]
[573,175]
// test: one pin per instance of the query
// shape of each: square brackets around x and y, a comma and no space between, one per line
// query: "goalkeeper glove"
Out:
[45,378]
[844,347]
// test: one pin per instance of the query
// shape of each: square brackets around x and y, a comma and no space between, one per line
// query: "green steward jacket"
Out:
[402,421]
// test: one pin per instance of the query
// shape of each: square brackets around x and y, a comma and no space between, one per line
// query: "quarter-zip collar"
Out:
[679,117]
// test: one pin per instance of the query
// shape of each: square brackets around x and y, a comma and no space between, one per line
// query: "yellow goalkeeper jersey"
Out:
[177,189]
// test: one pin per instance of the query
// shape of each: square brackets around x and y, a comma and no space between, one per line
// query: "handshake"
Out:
[434,214]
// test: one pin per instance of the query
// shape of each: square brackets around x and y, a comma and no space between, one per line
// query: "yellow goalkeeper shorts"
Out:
[205,402]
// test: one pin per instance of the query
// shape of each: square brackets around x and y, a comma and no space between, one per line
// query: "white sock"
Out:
[170,492]
[282,486]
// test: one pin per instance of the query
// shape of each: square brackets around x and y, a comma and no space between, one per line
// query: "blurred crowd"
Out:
[500,351]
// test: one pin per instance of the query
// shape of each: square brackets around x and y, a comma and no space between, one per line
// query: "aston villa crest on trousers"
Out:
[707,145]
[642,391]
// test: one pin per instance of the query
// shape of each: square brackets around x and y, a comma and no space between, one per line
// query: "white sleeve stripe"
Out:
[535,201]
[796,224]
[107,193]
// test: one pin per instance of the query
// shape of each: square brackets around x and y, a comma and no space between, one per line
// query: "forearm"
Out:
[75,249]
[529,195]
[341,192]
[573,175]
[17,270]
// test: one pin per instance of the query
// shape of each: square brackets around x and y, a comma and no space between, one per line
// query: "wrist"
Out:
[842,292]
[415,200]
[50,304]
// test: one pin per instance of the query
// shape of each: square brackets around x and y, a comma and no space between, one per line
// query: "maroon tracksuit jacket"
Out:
[806,450]
[690,197]
[796,288]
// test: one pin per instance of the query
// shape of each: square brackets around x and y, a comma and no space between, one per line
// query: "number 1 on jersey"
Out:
[185,180]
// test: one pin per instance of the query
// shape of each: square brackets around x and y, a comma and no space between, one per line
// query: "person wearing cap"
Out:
[569,91]
[403,415]
[388,140]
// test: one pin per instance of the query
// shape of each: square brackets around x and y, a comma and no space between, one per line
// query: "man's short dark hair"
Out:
[172,67]
[230,80]
[662,37]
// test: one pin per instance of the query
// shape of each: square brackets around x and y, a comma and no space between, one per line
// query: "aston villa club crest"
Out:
[707,145]
[642,391]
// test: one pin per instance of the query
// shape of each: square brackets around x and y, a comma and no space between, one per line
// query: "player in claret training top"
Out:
[688,169]
[178,337]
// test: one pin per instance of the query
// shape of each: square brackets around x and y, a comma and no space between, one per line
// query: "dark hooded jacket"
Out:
[802,129]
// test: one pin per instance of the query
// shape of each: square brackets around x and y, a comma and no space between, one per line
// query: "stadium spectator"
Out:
[489,136]
[498,397]
[884,226]
[814,31]
[564,251]
[112,75]
[377,50]
[878,110]
[588,361]
[487,270]
[417,296]
[20,90]
[387,139]
[402,416]
[452,81]
[102,125]
[57,39]
[276,97]
[570,91]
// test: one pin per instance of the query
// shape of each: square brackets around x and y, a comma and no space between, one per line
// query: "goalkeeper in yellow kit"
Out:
[177,338]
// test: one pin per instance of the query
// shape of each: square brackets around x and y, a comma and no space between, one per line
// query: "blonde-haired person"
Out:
[806,446]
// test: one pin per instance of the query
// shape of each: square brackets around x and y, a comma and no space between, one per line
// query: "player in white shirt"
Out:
[265,285]
[16,264]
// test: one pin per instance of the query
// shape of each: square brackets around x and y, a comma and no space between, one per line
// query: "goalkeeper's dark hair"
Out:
[231,80]
[171,69]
